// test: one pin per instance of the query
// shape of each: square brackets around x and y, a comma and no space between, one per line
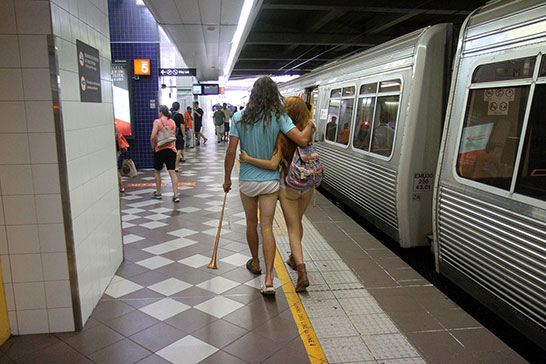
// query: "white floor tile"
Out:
[153,224]
[188,350]
[156,217]
[126,225]
[160,249]
[218,285]
[131,197]
[189,209]
[259,281]
[121,287]
[161,210]
[182,233]
[154,262]
[133,211]
[170,286]
[236,259]
[146,203]
[131,238]
[216,209]
[203,195]
[181,243]
[164,308]
[214,231]
[195,261]
[130,217]
[219,306]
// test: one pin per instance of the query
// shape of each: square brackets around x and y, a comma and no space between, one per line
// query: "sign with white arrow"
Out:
[177,72]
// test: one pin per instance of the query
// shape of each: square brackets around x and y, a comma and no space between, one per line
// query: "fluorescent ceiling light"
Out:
[241,25]
[162,31]
[140,2]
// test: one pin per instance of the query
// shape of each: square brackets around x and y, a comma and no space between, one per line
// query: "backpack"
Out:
[305,170]
[164,136]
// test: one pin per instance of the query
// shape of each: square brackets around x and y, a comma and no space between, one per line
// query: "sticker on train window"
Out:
[498,100]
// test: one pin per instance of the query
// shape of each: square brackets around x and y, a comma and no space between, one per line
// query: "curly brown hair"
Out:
[297,110]
[265,100]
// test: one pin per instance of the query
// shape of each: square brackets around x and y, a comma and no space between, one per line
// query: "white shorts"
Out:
[257,188]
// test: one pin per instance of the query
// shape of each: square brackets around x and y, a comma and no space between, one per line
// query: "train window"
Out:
[348,91]
[389,86]
[370,88]
[335,93]
[333,113]
[506,70]
[384,124]
[344,124]
[542,72]
[364,121]
[531,180]
[491,133]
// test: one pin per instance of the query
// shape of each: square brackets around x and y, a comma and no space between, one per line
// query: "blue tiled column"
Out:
[134,35]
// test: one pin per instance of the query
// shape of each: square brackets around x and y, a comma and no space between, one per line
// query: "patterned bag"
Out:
[305,170]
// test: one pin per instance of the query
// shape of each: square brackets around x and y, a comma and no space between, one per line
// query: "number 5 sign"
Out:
[142,66]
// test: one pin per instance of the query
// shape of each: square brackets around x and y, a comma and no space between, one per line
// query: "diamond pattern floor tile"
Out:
[219,306]
[195,261]
[154,262]
[165,308]
[170,286]
[121,287]
[188,350]
[218,284]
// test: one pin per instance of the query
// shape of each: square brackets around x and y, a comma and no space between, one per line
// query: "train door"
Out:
[311,96]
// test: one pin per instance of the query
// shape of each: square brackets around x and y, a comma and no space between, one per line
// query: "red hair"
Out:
[297,110]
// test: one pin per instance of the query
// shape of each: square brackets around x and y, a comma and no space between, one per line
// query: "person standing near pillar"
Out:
[219,118]
[189,127]
[180,134]
[198,123]
[227,113]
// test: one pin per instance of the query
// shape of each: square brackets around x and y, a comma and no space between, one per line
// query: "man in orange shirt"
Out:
[189,127]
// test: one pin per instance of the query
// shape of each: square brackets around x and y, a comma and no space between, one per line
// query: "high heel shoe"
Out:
[291,262]
[303,281]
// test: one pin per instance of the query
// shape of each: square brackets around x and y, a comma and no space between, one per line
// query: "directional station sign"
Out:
[177,72]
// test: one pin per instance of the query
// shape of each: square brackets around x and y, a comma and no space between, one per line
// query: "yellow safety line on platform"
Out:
[307,334]
[312,346]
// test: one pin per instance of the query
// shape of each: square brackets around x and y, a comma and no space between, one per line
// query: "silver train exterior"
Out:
[379,117]
[490,190]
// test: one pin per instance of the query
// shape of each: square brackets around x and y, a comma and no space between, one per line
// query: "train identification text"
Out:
[422,182]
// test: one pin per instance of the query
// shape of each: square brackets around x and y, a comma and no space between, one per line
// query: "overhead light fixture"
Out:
[140,2]
[241,25]
[211,27]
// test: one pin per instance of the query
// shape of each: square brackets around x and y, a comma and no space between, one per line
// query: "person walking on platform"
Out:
[165,154]
[219,118]
[293,202]
[257,128]
[190,141]
[227,113]
[180,135]
[198,123]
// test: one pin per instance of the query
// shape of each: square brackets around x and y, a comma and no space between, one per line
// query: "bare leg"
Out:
[177,162]
[174,181]
[157,175]
[250,204]
[267,212]
[293,206]
[120,182]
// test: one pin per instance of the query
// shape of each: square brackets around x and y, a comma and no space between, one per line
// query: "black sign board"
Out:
[177,72]
[211,89]
[89,72]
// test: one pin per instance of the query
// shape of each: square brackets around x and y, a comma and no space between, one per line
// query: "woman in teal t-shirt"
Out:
[257,128]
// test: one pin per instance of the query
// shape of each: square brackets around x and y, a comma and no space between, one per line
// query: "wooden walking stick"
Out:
[212,264]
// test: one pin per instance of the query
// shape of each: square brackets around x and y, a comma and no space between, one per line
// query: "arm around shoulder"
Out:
[301,138]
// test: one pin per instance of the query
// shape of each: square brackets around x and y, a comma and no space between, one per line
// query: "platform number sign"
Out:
[142,66]
[88,72]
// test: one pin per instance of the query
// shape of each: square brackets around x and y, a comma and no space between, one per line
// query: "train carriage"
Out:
[490,194]
[377,137]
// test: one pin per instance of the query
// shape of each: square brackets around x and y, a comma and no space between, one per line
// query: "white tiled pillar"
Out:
[35,179]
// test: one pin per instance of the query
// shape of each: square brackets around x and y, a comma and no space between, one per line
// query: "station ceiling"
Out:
[297,36]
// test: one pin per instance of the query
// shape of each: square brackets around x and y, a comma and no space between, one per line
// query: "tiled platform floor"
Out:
[165,306]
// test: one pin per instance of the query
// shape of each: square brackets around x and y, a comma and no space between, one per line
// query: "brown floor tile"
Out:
[237,247]
[122,352]
[158,336]
[191,320]
[456,318]
[108,310]
[278,329]
[398,303]
[91,340]
[246,317]
[186,273]
[498,357]
[140,302]
[59,353]
[128,269]
[288,355]
[17,346]
[131,323]
[243,293]
[436,345]
[84,361]
[219,333]
[135,255]
[253,348]
[221,357]
[153,359]
[405,274]
[149,278]
[4,359]
[143,293]
[415,321]
[478,340]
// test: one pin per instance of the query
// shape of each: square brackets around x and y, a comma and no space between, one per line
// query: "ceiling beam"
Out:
[365,9]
